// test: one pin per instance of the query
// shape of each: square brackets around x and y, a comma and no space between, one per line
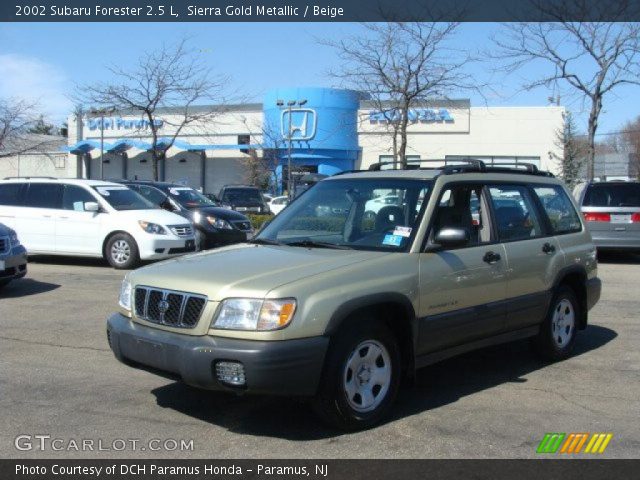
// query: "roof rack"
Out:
[467,165]
[30,177]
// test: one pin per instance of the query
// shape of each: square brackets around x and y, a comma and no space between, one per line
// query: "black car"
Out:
[243,198]
[215,226]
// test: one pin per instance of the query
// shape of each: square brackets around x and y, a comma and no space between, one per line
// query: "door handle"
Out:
[548,248]
[491,257]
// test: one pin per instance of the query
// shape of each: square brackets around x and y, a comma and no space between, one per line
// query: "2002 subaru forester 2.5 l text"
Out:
[334,304]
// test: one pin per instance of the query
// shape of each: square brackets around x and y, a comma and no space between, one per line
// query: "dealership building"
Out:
[319,130]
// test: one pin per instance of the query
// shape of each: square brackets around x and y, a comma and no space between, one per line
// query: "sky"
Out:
[45,61]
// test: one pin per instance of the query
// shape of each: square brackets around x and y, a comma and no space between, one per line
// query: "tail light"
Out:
[635,218]
[597,217]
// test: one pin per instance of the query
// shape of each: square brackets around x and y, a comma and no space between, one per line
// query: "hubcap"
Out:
[563,323]
[367,376]
[120,251]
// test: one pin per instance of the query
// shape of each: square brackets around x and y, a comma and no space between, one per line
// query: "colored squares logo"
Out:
[573,443]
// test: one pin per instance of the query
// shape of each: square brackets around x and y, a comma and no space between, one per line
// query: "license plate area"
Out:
[621,218]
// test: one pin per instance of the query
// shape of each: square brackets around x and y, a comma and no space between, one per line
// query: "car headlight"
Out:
[218,222]
[13,239]
[254,314]
[153,228]
[197,217]
[124,300]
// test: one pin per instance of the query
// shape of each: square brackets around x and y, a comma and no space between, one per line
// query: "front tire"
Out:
[361,376]
[557,335]
[122,251]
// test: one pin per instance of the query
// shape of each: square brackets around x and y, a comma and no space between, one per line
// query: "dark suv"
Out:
[214,226]
[243,198]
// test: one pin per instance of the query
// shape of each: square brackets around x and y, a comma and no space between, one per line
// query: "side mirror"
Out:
[91,207]
[449,238]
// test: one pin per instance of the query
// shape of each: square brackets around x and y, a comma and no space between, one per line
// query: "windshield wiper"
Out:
[315,244]
[264,241]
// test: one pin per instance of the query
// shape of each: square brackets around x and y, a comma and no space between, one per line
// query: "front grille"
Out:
[168,307]
[181,230]
[4,244]
[243,225]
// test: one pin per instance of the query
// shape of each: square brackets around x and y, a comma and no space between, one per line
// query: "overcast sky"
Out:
[44,61]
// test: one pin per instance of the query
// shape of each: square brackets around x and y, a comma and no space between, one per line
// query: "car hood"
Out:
[220,212]
[245,270]
[158,216]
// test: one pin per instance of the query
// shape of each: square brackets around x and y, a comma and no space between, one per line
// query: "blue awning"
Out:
[123,144]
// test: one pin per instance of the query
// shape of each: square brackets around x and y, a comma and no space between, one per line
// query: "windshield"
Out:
[364,214]
[189,197]
[122,198]
[242,195]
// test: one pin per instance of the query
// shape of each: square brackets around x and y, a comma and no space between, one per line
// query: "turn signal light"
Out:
[597,217]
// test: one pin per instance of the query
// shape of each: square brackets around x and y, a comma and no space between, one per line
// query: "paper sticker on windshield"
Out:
[176,191]
[394,240]
[106,191]
[403,231]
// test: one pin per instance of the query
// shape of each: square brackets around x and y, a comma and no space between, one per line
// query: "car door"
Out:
[36,223]
[462,289]
[533,254]
[78,231]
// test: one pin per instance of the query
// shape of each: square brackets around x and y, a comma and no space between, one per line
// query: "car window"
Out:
[515,215]
[152,194]
[189,197]
[9,194]
[559,209]
[74,197]
[242,194]
[123,198]
[43,195]
[612,195]
[461,207]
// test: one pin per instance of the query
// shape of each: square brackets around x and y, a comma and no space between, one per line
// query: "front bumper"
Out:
[160,246]
[594,288]
[287,367]
[13,264]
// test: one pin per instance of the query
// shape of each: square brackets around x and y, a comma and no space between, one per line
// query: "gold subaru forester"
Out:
[363,279]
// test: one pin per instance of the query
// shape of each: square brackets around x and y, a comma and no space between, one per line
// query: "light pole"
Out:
[101,112]
[290,105]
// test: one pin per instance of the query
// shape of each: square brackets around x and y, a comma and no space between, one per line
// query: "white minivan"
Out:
[91,218]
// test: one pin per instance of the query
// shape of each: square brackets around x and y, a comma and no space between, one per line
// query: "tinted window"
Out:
[9,194]
[613,195]
[514,213]
[242,194]
[562,216]
[43,195]
[74,198]
[189,197]
[123,198]
[152,194]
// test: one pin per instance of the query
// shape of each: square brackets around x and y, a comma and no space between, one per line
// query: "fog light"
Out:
[231,373]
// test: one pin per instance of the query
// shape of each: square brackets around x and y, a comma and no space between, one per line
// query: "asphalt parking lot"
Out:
[59,378]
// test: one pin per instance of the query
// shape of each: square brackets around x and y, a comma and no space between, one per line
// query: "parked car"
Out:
[340,309]
[91,218]
[13,256]
[214,226]
[277,204]
[612,213]
[243,198]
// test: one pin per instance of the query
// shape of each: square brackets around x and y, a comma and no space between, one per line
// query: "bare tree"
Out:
[631,138]
[574,149]
[17,119]
[591,58]
[400,66]
[172,76]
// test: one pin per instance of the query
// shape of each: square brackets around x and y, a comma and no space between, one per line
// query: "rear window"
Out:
[240,194]
[613,195]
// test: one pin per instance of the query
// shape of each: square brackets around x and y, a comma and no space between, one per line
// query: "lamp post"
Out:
[102,112]
[290,105]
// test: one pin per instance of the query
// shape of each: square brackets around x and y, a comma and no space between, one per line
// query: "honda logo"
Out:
[298,124]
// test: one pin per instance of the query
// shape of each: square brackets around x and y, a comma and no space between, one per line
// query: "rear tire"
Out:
[361,376]
[122,251]
[557,335]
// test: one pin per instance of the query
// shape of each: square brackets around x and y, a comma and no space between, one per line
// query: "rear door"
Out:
[36,224]
[532,252]
[78,231]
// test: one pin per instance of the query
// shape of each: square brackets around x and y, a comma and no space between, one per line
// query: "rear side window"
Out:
[10,194]
[43,195]
[559,209]
[516,217]
[612,195]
